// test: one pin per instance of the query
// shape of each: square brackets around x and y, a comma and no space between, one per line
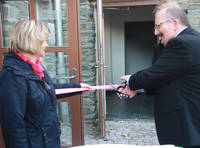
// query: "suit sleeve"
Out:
[13,97]
[157,52]
[173,62]
[67,85]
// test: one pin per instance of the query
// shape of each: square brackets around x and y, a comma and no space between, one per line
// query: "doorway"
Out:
[129,47]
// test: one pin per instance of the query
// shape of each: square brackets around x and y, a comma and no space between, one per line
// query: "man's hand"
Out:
[125,77]
[127,90]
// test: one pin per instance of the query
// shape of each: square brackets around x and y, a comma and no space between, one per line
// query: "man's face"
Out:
[164,27]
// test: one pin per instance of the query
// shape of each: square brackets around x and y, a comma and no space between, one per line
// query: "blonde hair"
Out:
[166,4]
[28,36]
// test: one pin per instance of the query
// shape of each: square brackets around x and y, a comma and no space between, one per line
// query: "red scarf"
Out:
[37,66]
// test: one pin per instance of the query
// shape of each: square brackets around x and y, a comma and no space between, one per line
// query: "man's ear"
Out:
[176,24]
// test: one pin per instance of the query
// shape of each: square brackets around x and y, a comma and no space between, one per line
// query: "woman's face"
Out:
[41,51]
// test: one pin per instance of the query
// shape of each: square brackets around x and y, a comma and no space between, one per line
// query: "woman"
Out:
[27,95]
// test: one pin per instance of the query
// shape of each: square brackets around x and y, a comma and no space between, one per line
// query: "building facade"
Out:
[118,17]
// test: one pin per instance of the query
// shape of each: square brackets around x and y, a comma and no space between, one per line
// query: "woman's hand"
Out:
[84,85]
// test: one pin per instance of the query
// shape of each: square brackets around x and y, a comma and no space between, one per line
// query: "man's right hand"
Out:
[127,90]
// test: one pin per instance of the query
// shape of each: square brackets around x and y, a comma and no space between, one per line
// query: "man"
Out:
[175,79]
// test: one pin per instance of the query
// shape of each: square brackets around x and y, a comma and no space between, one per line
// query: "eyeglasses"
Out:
[156,26]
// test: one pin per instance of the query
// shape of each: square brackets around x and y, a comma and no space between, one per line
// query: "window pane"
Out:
[65,122]
[11,13]
[57,66]
[54,14]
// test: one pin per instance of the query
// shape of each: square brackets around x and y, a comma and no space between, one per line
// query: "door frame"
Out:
[122,3]
[100,48]
[74,50]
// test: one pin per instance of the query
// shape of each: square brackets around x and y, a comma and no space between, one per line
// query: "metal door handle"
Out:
[71,77]
[105,66]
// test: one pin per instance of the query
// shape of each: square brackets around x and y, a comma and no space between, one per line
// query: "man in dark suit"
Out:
[175,79]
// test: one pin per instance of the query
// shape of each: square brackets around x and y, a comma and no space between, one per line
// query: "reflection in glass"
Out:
[54,14]
[66,128]
[57,66]
[11,12]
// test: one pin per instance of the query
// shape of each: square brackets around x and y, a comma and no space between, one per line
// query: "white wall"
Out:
[114,20]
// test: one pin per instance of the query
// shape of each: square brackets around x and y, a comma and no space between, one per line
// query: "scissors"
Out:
[123,95]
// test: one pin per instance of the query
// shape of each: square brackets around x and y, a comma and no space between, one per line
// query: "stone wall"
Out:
[88,40]
[193,11]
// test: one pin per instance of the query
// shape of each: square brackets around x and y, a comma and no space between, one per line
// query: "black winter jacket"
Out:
[28,113]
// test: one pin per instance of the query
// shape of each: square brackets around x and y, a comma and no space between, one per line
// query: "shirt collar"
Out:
[180,31]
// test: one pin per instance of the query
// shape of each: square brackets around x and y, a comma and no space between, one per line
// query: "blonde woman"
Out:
[27,95]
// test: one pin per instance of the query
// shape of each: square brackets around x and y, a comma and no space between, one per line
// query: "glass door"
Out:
[62,60]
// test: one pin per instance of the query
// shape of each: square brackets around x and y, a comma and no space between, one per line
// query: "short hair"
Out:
[179,14]
[166,4]
[173,11]
[28,36]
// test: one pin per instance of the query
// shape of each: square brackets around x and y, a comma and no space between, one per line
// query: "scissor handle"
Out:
[125,96]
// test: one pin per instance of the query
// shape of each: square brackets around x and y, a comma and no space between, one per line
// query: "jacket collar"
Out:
[181,31]
[188,29]
[18,66]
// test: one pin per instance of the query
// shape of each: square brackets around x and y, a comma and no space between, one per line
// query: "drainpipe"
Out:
[100,65]
[59,40]
[63,107]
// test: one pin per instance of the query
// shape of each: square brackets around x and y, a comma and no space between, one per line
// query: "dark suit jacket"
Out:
[157,52]
[175,77]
